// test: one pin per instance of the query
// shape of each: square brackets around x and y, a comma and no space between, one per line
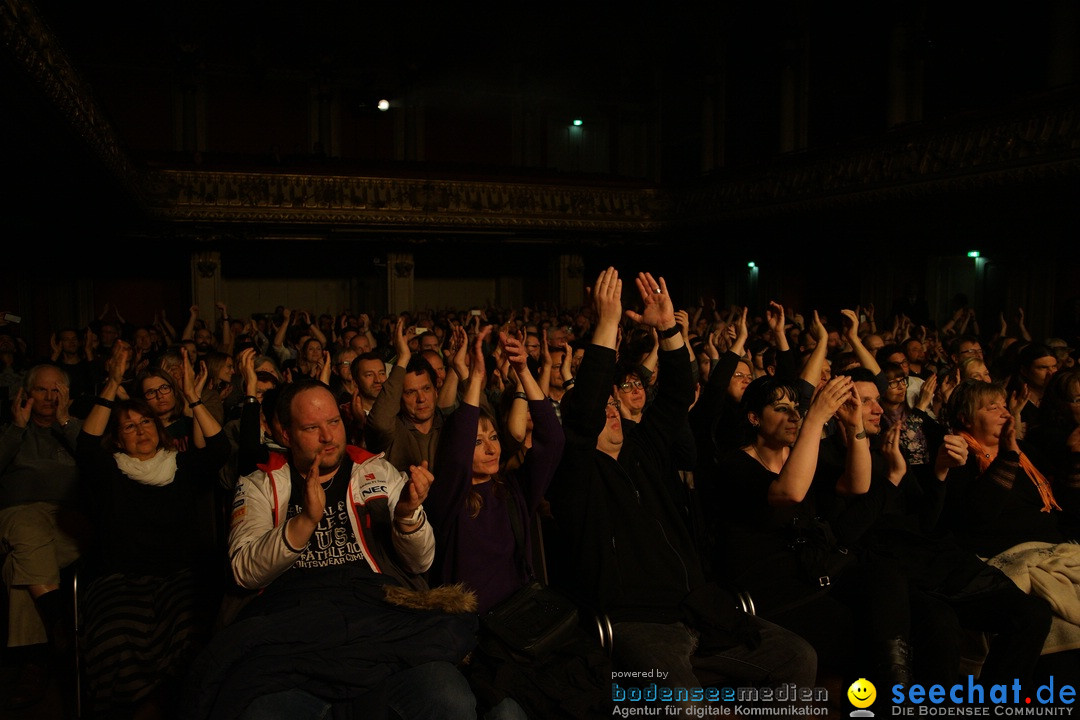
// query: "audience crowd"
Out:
[305,515]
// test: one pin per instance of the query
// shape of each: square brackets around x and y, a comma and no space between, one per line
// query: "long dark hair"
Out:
[475,502]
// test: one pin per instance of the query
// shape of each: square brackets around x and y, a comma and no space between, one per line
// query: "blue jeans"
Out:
[432,691]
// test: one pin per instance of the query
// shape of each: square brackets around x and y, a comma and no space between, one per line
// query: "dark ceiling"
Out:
[646,56]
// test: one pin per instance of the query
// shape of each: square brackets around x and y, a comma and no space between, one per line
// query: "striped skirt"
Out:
[138,633]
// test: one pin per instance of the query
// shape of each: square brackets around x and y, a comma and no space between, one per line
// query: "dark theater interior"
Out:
[886,141]
[412,156]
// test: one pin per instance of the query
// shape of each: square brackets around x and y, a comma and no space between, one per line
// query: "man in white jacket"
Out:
[328,506]
[327,503]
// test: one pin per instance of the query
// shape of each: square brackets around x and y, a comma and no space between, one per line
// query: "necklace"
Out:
[752,452]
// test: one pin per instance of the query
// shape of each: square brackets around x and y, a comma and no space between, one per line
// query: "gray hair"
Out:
[31,375]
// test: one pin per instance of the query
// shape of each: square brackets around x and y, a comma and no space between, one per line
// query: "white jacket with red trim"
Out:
[257,549]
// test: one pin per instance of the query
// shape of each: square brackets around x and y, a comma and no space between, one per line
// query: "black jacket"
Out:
[330,633]
[621,543]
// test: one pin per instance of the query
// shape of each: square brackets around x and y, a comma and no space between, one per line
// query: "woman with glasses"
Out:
[153,571]
[920,434]
[159,389]
[630,392]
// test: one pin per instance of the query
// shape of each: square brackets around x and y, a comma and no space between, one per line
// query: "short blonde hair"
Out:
[968,397]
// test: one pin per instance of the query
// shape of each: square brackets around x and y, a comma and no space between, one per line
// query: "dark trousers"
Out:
[1017,622]
[852,622]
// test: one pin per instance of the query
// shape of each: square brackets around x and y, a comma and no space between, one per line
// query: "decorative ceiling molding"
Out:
[425,205]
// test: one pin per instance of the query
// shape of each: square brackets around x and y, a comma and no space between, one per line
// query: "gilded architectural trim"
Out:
[373,202]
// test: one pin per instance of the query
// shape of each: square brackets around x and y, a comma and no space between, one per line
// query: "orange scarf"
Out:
[1041,483]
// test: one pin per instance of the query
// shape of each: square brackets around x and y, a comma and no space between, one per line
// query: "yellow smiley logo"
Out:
[862,693]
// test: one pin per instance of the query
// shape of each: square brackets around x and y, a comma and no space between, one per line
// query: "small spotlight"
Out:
[577,123]
[973,253]
[752,265]
[384,105]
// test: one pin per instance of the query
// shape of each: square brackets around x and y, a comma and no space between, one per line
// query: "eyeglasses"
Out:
[160,391]
[131,428]
[971,351]
[898,382]
[613,404]
[631,385]
[740,376]
[345,363]
[1075,401]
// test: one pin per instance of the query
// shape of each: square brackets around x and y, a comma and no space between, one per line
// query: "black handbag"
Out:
[821,557]
[533,622]
[536,619]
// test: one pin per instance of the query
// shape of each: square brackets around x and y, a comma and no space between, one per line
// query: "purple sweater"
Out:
[480,551]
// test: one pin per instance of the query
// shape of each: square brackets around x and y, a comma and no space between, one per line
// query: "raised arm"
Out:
[682,318]
[1024,334]
[775,316]
[811,370]
[250,450]
[88,344]
[518,358]
[402,336]
[315,331]
[742,332]
[474,387]
[168,332]
[855,479]
[363,327]
[583,408]
[278,342]
[850,322]
[189,329]
[228,342]
[545,363]
[459,368]
[115,367]
[205,422]
[793,482]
